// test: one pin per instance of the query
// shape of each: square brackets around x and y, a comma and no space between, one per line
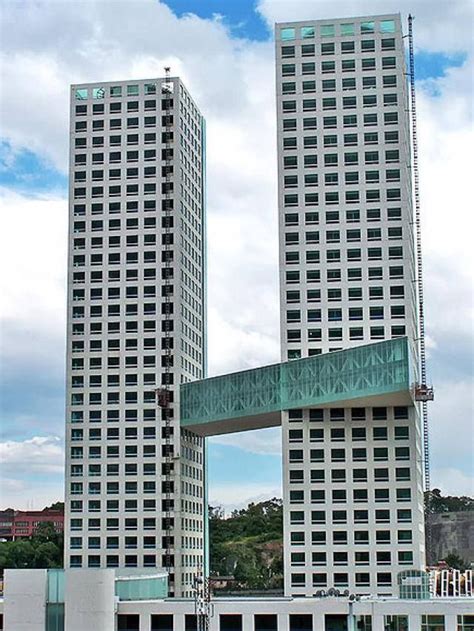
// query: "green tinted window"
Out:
[367,27]
[327,30]
[347,29]
[387,26]
[98,93]
[81,94]
[307,32]
[287,33]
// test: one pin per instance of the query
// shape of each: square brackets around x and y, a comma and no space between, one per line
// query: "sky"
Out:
[223,50]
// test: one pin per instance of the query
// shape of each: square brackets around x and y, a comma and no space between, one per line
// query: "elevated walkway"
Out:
[376,374]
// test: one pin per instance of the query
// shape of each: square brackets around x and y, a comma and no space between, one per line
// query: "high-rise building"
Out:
[353,500]
[352,476]
[134,480]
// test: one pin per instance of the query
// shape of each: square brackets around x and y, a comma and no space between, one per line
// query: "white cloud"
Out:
[33,242]
[30,494]
[52,44]
[438,26]
[263,441]
[446,136]
[40,454]
[31,473]
[451,481]
[452,427]
[235,496]
[233,85]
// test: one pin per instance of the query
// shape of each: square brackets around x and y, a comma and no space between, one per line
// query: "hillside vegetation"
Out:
[248,545]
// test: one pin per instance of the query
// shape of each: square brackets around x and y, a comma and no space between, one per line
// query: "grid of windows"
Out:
[351,500]
[353,478]
[344,189]
[135,292]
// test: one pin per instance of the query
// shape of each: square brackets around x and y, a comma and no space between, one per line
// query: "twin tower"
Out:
[139,407]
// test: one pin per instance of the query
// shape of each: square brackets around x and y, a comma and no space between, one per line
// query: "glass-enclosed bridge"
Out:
[376,374]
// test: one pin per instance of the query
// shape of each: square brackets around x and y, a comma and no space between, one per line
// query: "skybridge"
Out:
[376,374]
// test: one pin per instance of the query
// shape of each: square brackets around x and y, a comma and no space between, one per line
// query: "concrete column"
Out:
[145,621]
[378,622]
[283,622]
[90,600]
[214,622]
[450,622]
[25,600]
[414,622]
[319,622]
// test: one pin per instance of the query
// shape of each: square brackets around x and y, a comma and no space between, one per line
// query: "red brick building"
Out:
[25,523]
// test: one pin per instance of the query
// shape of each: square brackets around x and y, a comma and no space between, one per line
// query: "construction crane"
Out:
[422,392]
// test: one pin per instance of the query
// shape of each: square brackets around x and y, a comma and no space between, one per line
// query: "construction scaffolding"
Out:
[164,394]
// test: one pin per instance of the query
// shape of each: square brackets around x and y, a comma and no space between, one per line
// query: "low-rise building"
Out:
[25,523]
[135,600]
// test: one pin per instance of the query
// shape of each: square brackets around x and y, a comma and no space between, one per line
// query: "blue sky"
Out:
[224,52]
[239,16]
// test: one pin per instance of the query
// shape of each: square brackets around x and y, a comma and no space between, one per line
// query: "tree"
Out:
[47,555]
[46,532]
[248,544]
[55,506]
[43,550]
[456,562]
[17,554]
[437,503]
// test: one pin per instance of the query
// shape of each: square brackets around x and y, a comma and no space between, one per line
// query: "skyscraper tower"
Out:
[352,477]
[136,285]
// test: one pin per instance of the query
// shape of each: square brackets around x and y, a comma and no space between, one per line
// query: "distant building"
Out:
[451,533]
[6,524]
[25,523]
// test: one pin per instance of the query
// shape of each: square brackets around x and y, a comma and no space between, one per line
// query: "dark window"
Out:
[161,622]
[301,622]
[266,622]
[230,622]
[130,622]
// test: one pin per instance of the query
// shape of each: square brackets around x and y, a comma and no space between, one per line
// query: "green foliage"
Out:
[55,506]
[248,545]
[436,503]
[46,533]
[455,562]
[43,550]
[16,554]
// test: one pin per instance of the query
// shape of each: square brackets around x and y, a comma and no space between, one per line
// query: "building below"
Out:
[20,524]
[451,533]
[134,600]
[6,524]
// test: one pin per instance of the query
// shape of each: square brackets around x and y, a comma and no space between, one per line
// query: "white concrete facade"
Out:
[24,600]
[136,292]
[346,279]
[89,602]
